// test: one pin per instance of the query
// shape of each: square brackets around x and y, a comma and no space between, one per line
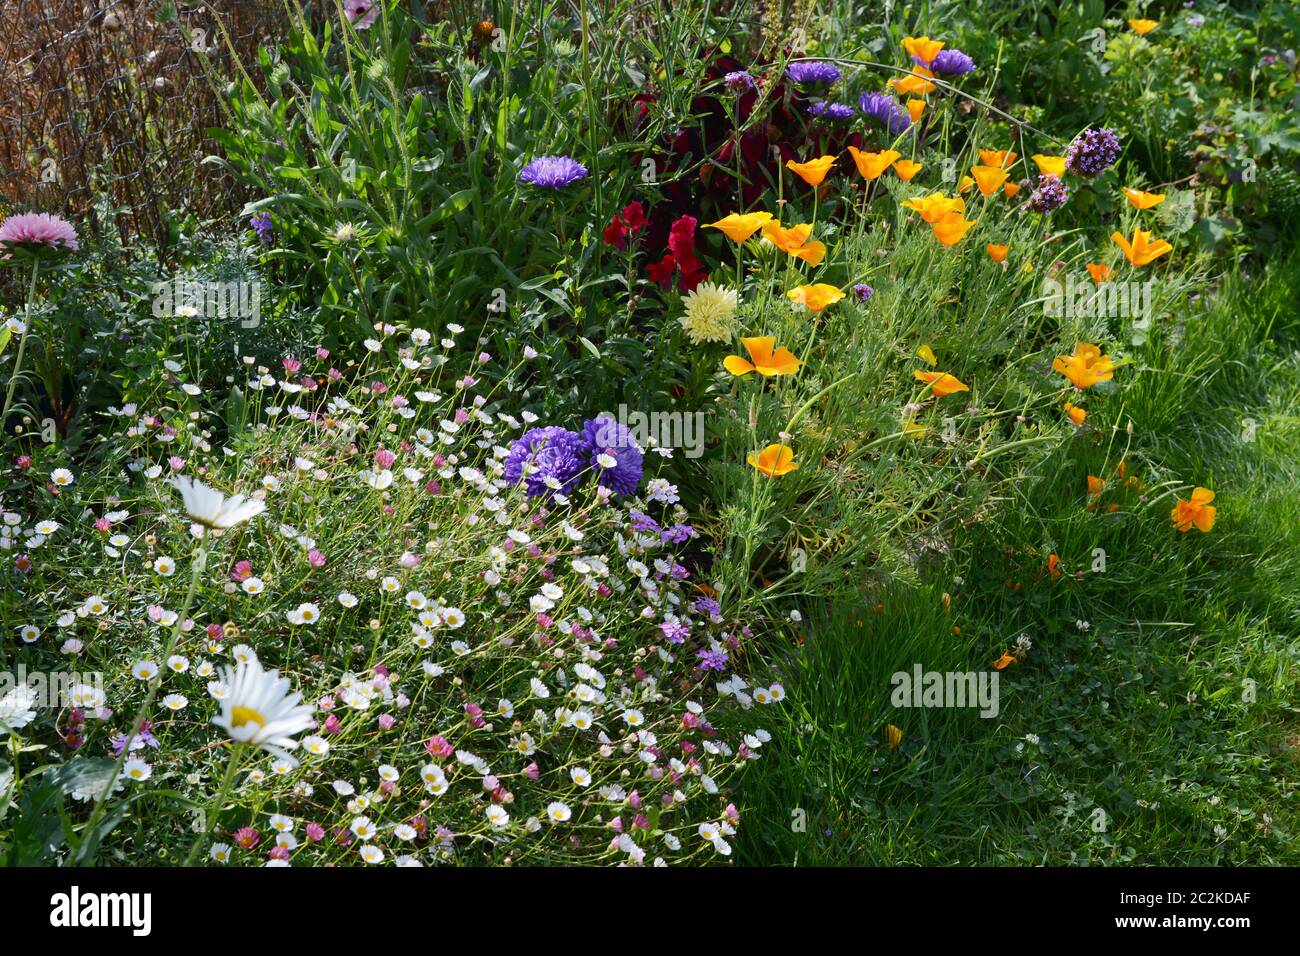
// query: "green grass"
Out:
[1142,715]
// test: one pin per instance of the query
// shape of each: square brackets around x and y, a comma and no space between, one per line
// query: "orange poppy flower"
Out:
[1054,565]
[935,206]
[871,165]
[773,461]
[941,383]
[997,158]
[1143,27]
[1139,199]
[1077,414]
[1086,367]
[764,359]
[906,169]
[916,83]
[1195,511]
[1141,250]
[794,241]
[1005,661]
[815,297]
[997,253]
[740,226]
[915,108]
[1100,273]
[1010,189]
[1095,485]
[923,48]
[813,171]
[951,228]
[989,178]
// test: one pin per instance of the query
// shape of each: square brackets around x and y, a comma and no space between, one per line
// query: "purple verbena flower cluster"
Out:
[1050,195]
[1093,152]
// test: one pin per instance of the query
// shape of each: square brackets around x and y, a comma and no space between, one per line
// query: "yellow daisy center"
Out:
[239,716]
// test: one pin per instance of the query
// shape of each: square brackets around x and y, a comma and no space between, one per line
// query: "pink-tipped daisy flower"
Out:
[36,232]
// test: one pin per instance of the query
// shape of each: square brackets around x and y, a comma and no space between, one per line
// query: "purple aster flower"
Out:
[547,460]
[706,605]
[36,232]
[605,436]
[885,109]
[712,660]
[1050,195]
[1092,152]
[675,631]
[863,291]
[678,534]
[643,522]
[952,62]
[813,71]
[261,224]
[738,80]
[553,172]
[833,111]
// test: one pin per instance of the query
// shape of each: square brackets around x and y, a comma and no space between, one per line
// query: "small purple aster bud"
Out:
[863,291]
[738,80]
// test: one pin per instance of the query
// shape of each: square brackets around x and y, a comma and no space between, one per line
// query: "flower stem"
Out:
[22,344]
[215,806]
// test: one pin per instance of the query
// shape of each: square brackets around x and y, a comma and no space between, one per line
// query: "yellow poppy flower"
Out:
[773,461]
[1195,511]
[989,178]
[935,206]
[813,171]
[1049,165]
[941,384]
[926,354]
[906,169]
[965,184]
[923,48]
[764,358]
[1141,250]
[1143,200]
[871,165]
[1143,27]
[893,737]
[815,297]
[997,253]
[740,226]
[951,228]
[1086,366]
